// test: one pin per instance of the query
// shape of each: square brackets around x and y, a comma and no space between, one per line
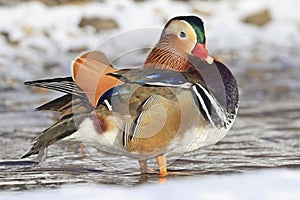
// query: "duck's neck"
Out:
[167,55]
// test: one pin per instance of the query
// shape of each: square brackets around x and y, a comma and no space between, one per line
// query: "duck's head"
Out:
[188,34]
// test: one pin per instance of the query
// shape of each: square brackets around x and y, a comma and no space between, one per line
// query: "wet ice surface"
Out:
[279,184]
[265,136]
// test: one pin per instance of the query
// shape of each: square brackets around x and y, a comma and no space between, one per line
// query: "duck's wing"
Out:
[210,107]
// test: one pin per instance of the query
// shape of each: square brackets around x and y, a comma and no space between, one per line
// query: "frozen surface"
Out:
[280,184]
[37,41]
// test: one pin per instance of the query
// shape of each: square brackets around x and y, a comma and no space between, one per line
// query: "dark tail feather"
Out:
[56,104]
[65,85]
[56,132]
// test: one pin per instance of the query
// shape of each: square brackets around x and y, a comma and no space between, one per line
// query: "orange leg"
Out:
[162,165]
[143,166]
[83,151]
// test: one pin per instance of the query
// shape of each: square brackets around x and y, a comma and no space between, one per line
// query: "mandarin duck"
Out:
[180,100]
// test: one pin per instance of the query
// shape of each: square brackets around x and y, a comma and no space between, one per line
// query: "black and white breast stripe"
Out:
[209,107]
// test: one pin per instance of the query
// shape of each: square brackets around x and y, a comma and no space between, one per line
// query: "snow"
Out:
[48,34]
[41,35]
[271,184]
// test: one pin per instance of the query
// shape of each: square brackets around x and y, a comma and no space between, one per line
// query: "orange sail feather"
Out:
[89,73]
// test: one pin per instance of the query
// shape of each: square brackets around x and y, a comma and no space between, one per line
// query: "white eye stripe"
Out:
[176,28]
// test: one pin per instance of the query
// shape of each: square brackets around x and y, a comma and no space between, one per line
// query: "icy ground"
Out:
[37,41]
[282,184]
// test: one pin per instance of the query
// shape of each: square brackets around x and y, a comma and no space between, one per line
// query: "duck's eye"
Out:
[182,34]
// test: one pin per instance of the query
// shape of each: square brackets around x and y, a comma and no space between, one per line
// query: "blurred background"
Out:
[258,40]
